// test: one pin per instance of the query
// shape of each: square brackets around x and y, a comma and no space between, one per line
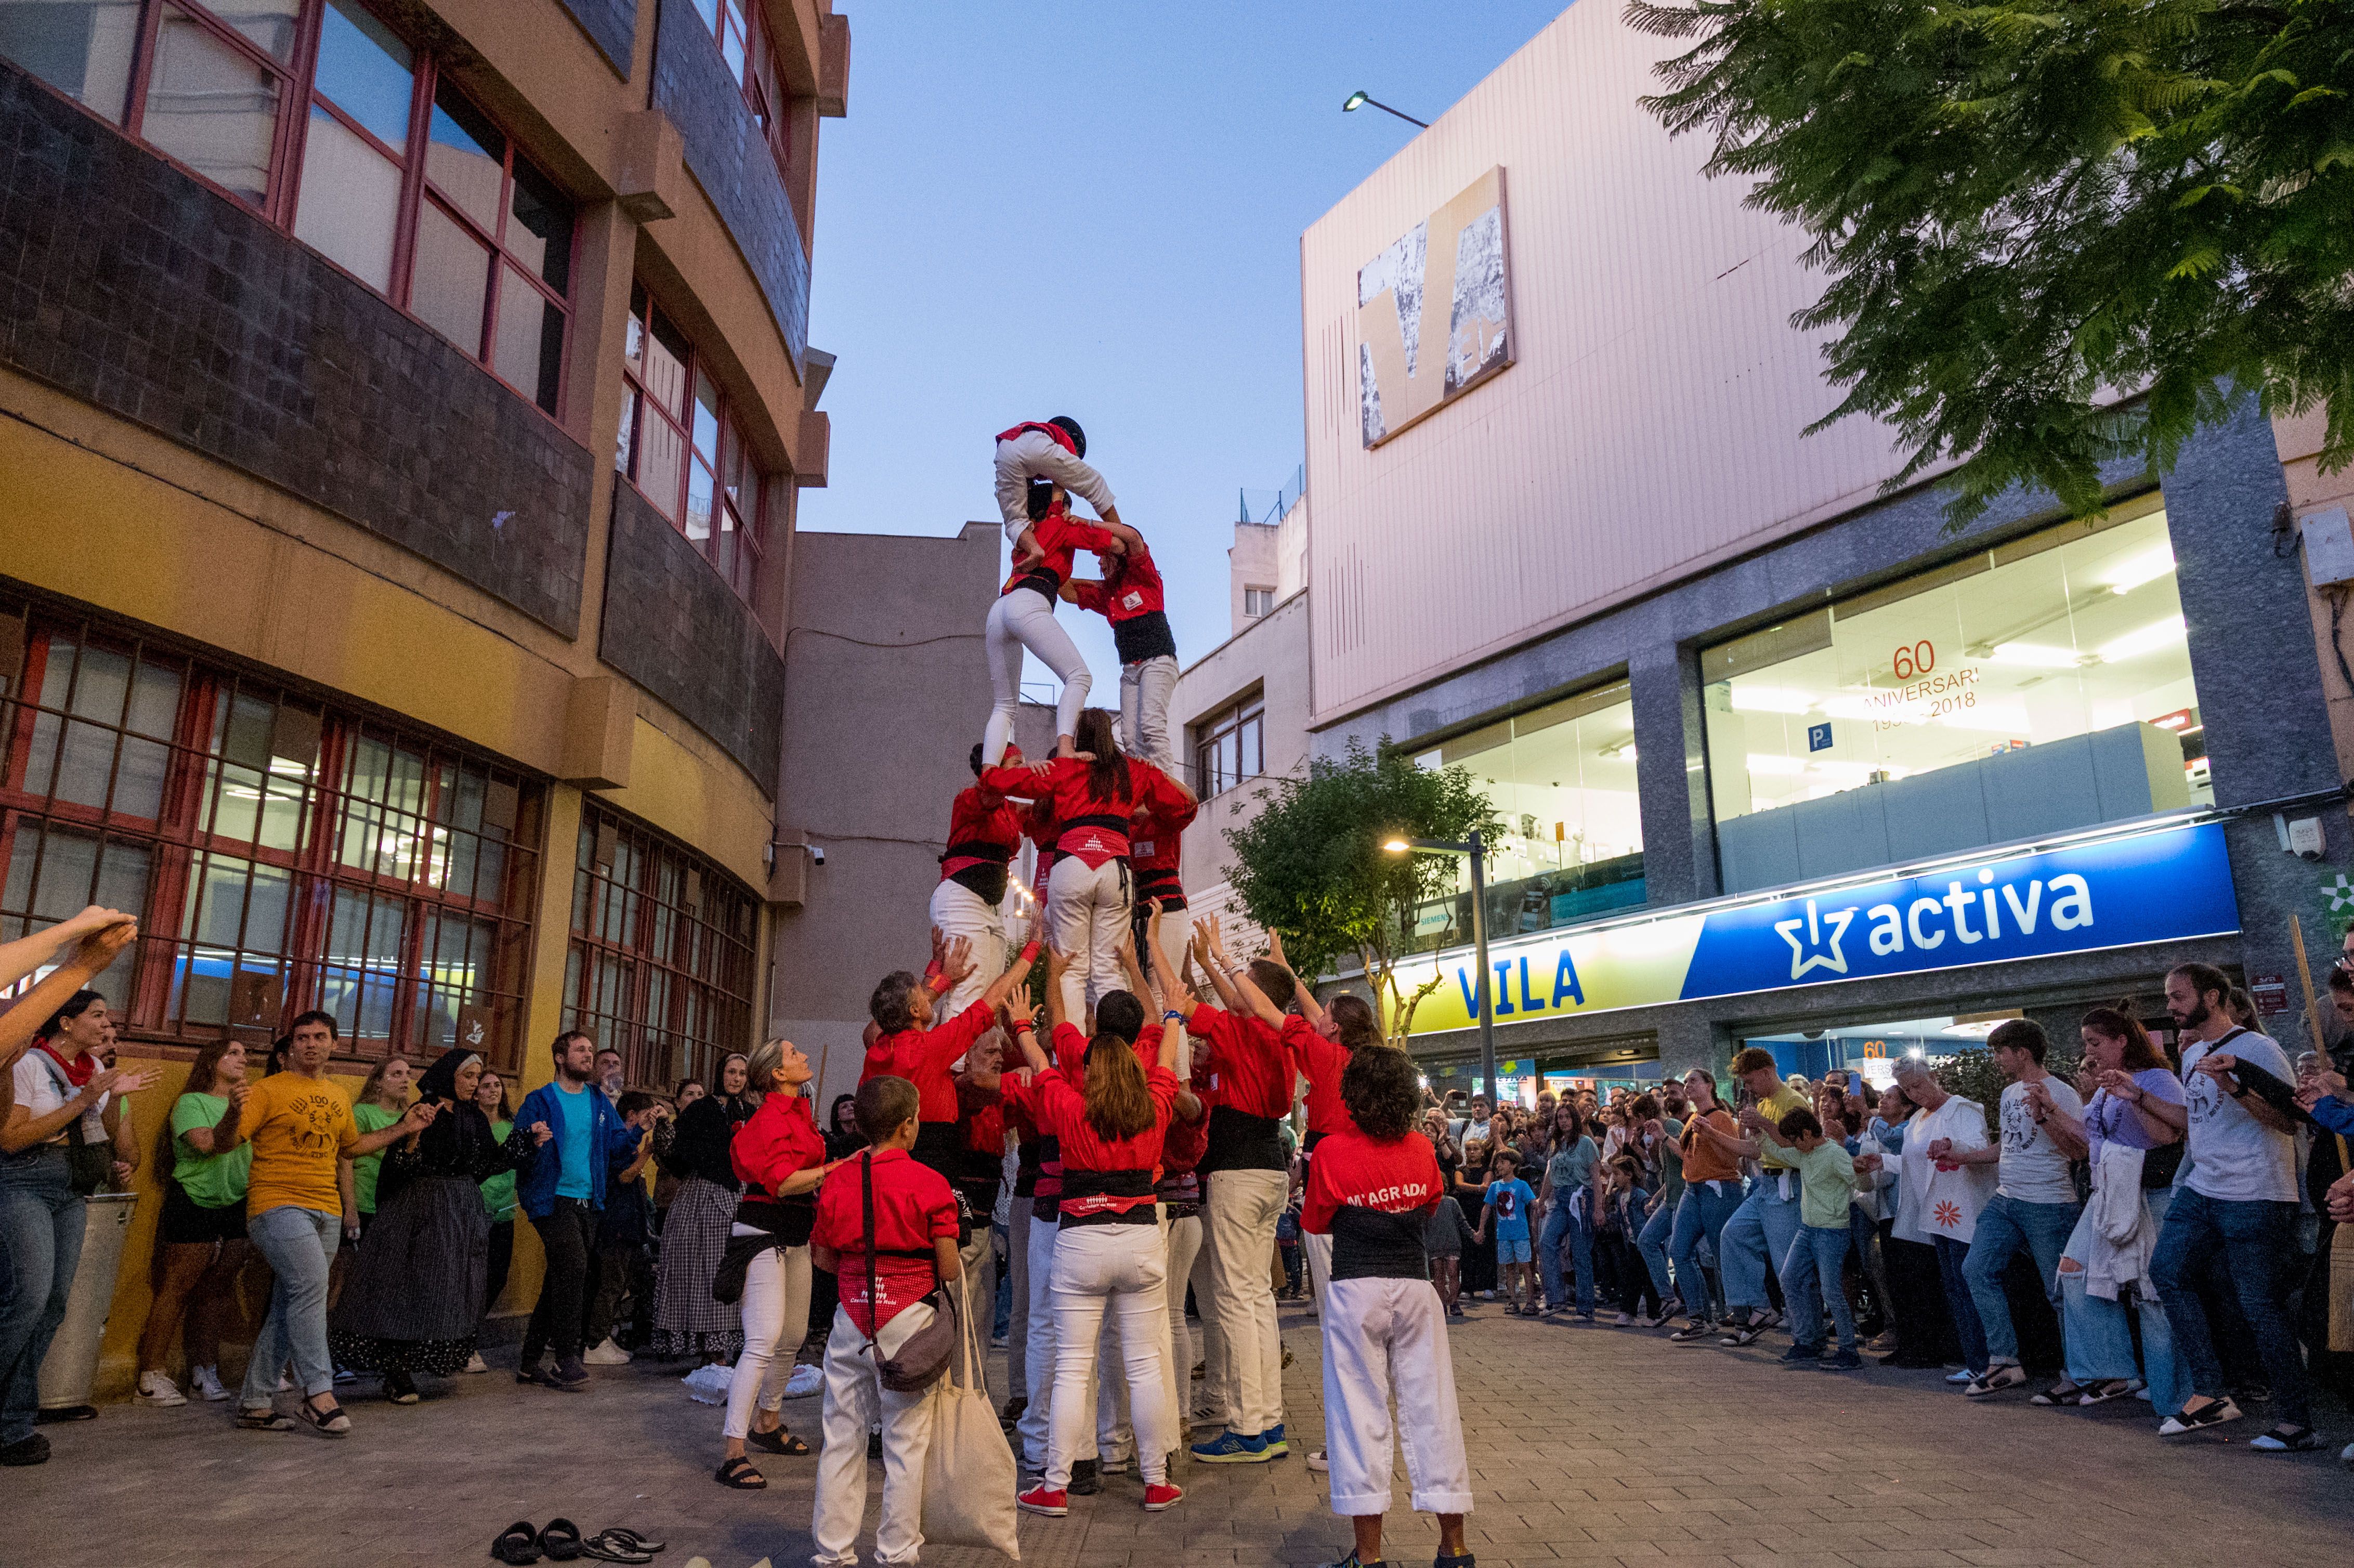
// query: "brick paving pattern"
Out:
[1588,1446]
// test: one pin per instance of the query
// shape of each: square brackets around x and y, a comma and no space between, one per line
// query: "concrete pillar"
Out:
[1687,1039]
[1672,776]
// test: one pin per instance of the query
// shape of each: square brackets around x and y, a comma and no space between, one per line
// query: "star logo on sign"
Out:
[1815,952]
[2341,893]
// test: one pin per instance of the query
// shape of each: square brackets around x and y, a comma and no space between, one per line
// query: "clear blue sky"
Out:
[1095,210]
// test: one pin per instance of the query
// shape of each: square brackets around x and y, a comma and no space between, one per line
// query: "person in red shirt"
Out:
[984,835]
[779,1156]
[1108,1254]
[1023,618]
[907,1044]
[1156,849]
[913,1249]
[1245,1184]
[1095,802]
[1128,596]
[1371,1187]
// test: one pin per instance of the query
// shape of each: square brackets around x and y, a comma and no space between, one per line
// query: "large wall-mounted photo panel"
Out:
[1406,369]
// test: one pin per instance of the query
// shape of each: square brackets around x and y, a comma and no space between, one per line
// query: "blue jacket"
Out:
[535,1186]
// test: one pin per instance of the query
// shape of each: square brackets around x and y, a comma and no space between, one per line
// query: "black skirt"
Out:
[415,1296]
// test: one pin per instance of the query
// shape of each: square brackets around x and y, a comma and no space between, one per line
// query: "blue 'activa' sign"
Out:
[2115,893]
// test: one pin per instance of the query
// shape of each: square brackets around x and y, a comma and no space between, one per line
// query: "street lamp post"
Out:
[1357,101]
[1476,853]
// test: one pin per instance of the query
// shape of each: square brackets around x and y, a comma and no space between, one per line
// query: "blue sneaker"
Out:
[1276,1448]
[1231,1447]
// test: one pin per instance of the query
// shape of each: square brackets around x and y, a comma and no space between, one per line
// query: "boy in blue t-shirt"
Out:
[1505,1216]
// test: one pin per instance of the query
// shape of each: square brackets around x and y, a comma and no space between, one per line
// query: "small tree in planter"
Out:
[1312,867]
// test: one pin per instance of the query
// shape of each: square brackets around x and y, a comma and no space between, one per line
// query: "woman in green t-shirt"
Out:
[382,1101]
[202,1232]
[498,1198]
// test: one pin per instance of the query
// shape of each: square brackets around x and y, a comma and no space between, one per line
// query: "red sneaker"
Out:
[1161,1495]
[1052,1502]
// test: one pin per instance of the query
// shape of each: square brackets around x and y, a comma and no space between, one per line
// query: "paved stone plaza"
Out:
[1589,1446]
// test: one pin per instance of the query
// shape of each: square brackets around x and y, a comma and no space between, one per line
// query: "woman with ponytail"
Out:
[1108,1255]
[1095,799]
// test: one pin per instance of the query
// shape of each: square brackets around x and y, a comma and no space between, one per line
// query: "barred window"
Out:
[281,853]
[1230,746]
[661,965]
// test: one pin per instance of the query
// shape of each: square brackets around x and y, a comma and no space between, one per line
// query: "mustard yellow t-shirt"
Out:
[1774,1108]
[298,1126]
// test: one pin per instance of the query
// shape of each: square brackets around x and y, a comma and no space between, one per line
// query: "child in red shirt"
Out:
[909,1045]
[915,1248]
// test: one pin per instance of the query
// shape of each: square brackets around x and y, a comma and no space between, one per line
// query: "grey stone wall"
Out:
[127,283]
[612,26]
[675,628]
[731,161]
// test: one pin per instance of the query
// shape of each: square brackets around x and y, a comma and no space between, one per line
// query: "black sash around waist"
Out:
[1080,1185]
[1238,1140]
[1042,581]
[1142,636]
[1371,1244]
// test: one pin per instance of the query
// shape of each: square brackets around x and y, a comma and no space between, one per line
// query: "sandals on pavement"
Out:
[333,1422]
[560,1540]
[2112,1388]
[517,1543]
[2287,1439]
[264,1419]
[606,1546]
[2066,1392]
[739,1473]
[1995,1380]
[2213,1412]
[778,1442]
[637,1540]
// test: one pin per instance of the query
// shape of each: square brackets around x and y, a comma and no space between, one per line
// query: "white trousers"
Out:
[1034,452]
[1087,911]
[1039,1366]
[855,1401]
[775,1320]
[1023,620]
[1384,1336]
[1184,1245]
[1100,1270]
[1239,1211]
[1210,1403]
[1017,1318]
[958,911]
[1145,688]
[1318,1251]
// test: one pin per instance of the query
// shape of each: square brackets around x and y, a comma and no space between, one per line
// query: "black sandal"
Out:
[560,1540]
[2066,1392]
[517,1543]
[330,1423]
[739,1473]
[2287,1439]
[778,1442]
[607,1547]
[264,1419]
[637,1540]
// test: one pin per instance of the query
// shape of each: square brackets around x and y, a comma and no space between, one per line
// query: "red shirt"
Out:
[1158,844]
[1060,537]
[1250,1071]
[781,1137]
[979,817]
[1060,1109]
[1320,1062]
[1037,821]
[1130,588]
[1094,826]
[923,1057]
[1351,1171]
[913,1208]
[1182,1146]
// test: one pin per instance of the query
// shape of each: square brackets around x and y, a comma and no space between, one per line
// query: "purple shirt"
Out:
[2110,1119]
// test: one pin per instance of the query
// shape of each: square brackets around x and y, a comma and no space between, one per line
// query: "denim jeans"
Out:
[2099,1335]
[1701,1215]
[2005,1226]
[1755,1240]
[41,1223]
[1953,1262]
[1811,1282]
[2255,1245]
[1562,1224]
[299,1244]
[1653,1245]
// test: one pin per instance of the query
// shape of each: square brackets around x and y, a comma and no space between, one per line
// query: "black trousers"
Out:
[501,1261]
[566,1236]
[1925,1326]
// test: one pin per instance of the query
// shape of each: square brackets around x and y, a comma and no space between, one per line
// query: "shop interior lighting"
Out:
[1767,762]
[2149,639]
[2036,656]
[2141,566]
[1770,700]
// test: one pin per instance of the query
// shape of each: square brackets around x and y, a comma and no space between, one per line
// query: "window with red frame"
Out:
[280,855]
[682,446]
[329,123]
[743,40]
[660,965]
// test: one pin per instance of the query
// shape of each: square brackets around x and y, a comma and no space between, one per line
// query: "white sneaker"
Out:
[475,1363]
[208,1384]
[156,1389]
[806,1380]
[1319,1463]
[285,1383]
[607,1354]
[1961,1377]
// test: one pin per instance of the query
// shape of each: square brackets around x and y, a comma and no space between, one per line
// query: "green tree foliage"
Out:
[1972,1074]
[2019,205]
[1312,867]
